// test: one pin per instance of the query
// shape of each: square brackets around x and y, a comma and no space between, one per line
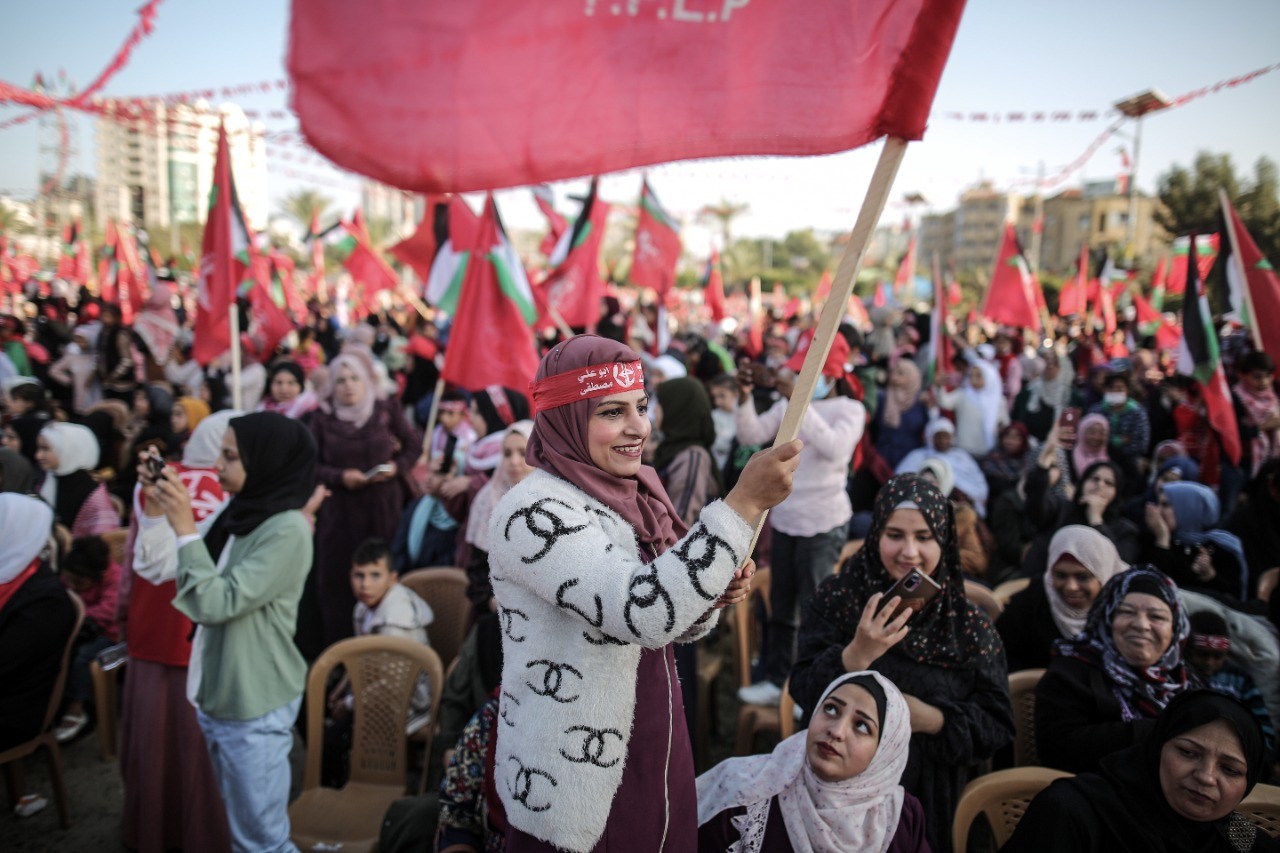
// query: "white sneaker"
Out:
[760,693]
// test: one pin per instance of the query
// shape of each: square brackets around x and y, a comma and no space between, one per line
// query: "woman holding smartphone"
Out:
[947,659]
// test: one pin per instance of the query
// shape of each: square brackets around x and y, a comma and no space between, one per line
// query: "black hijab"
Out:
[28,429]
[496,421]
[16,473]
[1135,808]
[951,632]
[279,458]
[686,421]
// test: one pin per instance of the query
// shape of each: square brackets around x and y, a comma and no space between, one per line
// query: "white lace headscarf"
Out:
[857,814]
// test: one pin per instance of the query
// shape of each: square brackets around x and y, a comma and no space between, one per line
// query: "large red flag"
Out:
[713,288]
[657,245]
[556,223]
[575,287]
[1072,298]
[224,237]
[1252,274]
[1206,252]
[437,97]
[1011,297]
[1200,356]
[366,266]
[492,338]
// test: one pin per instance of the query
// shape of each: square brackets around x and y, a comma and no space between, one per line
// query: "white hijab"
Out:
[24,529]
[205,442]
[483,504]
[857,814]
[986,399]
[1092,550]
[77,450]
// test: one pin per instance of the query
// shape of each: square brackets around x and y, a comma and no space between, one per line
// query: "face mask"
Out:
[1115,398]
[822,388]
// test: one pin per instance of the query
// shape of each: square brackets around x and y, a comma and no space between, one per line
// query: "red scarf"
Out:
[7,590]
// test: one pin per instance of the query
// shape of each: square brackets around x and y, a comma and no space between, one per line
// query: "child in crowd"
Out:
[90,573]
[386,608]
[724,402]
[1207,649]
[452,420]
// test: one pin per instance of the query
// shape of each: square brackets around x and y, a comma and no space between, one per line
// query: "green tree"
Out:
[1189,199]
[302,205]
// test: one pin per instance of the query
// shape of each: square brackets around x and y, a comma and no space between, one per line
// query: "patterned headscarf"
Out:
[951,632]
[1142,693]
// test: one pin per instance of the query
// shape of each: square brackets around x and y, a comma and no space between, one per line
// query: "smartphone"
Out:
[154,463]
[915,590]
[384,468]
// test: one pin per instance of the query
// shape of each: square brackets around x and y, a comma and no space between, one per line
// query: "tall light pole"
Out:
[1135,107]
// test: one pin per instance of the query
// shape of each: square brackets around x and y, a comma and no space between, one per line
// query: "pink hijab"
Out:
[558,446]
[1080,454]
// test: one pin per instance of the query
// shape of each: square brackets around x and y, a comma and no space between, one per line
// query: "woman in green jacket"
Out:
[240,583]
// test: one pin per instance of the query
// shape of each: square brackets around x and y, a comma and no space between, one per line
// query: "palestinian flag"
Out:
[1206,252]
[1199,357]
[495,305]
[657,246]
[454,231]
[1152,323]
[73,261]
[575,287]
[556,223]
[904,282]
[226,239]
[1159,280]
[940,355]
[1011,296]
[1254,285]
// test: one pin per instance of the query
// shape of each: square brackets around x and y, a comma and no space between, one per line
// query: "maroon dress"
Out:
[636,818]
[348,517]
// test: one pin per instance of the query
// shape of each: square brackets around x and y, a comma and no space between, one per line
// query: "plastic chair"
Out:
[445,589]
[786,712]
[383,672]
[981,596]
[1267,583]
[1005,592]
[1022,693]
[1262,806]
[752,719]
[47,738]
[104,672]
[1003,796]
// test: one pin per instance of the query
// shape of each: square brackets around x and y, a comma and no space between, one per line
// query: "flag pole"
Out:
[558,319]
[237,393]
[841,289]
[431,417]
[1255,331]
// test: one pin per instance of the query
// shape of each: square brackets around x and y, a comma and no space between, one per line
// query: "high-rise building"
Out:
[155,165]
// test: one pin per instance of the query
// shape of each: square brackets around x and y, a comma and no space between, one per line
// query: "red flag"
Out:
[130,275]
[792,308]
[1011,297]
[1158,278]
[107,264]
[72,262]
[366,265]
[575,287]
[1167,335]
[268,324]
[1107,306]
[556,223]
[1072,298]
[1206,252]
[317,252]
[224,237]
[441,97]
[857,312]
[1200,357]
[778,297]
[713,288]
[904,284]
[496,304]
[418,250]
[657,245]
[939,339]
[879,299]
[1259,285]
[824,288]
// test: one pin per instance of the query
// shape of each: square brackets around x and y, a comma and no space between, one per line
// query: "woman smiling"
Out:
[1119,672]
[1176,790]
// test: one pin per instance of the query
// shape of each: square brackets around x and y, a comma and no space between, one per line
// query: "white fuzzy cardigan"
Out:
[576,605]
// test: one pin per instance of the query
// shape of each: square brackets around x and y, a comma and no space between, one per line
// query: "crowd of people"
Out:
[604,530]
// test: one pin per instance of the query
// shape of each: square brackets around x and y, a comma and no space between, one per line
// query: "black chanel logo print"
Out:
[508,615]
[645,591]
[549,536]
[593,745]
[523,787]
[514,701]
[707,553]
[553,680]
[595,622]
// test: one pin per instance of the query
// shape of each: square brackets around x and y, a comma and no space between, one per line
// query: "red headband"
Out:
[597,380]
[1209,641]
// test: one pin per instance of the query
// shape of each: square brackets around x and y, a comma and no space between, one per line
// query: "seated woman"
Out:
[948,660]
[1183,545]
[832,787]
[973,555]
[1096,503]
[1175,790]
[1081,560]
[68,453]
[939,437]
[1103,688]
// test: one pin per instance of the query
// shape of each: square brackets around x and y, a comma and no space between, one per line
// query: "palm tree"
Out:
[303,205]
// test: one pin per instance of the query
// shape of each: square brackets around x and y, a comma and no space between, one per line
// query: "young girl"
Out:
[89,572]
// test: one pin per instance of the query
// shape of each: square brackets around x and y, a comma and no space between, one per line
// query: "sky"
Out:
[1009,55]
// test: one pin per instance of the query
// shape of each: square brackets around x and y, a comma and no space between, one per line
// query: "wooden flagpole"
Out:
[1254,331]
[237,393]
[841,289]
